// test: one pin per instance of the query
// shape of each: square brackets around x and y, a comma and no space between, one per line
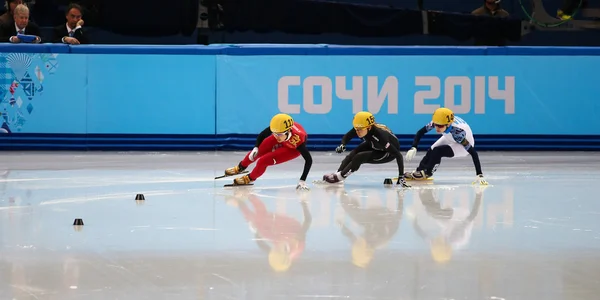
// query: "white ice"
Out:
[533,234]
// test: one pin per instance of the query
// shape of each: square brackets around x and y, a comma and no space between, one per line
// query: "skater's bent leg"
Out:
[346,161]
[264,148]
[358,159]
[362,147]
[276,157]
[380,157]
[435,158]
[424,160]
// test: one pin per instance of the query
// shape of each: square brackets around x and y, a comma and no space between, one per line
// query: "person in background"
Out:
[493,9]
[7,17]
[21,25]
[72,31]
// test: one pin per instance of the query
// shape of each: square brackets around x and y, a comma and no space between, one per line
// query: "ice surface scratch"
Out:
[266,196]
[274,187]
[188,228]
[14,207]
[118,267]
[33,179]
[29,290]
[544,223]
[323,296]
[224,278]
[104,197]
[140,228]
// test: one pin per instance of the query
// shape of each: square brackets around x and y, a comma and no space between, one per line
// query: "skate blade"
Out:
[223,176]
[236,185]
[430,179]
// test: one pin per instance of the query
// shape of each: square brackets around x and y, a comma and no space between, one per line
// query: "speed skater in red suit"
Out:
[282,141]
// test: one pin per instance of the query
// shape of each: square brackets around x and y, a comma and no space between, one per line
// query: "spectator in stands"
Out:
[492,9]
[21,25]
[7,17]
[71,32]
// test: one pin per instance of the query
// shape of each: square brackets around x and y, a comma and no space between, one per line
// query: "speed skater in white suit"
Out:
[456,141]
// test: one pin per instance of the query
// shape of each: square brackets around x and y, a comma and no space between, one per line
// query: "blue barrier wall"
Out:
[221,96]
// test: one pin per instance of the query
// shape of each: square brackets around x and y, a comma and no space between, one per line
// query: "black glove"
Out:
[341,148]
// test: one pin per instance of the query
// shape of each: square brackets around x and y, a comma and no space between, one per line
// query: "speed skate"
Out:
[427,180]
[236,185]
[393,179]
[225,176]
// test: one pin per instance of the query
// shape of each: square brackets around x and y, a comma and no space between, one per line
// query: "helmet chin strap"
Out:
[288,135]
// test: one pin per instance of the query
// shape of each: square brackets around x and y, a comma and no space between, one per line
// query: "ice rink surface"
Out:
[533,234]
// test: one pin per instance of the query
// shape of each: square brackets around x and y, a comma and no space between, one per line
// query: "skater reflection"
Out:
[280,236]
[444,229]
[379,225]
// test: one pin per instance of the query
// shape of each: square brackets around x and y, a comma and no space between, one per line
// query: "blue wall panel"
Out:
[150,94]
[221,96]
[495,94]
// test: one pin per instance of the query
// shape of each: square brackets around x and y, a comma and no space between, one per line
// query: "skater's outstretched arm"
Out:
[345,140]
[349,136]
[460,136]
[413,148]
[307,160]
[425,129]
[476,161]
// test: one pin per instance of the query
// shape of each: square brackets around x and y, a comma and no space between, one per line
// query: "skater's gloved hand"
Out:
[253,153]
[411,154]
[302,186]
[401,181]
[479,179]
[341,148]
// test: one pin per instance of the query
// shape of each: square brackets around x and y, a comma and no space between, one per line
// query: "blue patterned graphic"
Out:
[21,81]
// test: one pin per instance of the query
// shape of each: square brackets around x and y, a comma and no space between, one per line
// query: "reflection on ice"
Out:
[534,234]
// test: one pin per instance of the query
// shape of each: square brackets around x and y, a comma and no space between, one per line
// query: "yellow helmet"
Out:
[443,116]
[281,123]
[441,252]
[363,119]
[279,260]
[362,253]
